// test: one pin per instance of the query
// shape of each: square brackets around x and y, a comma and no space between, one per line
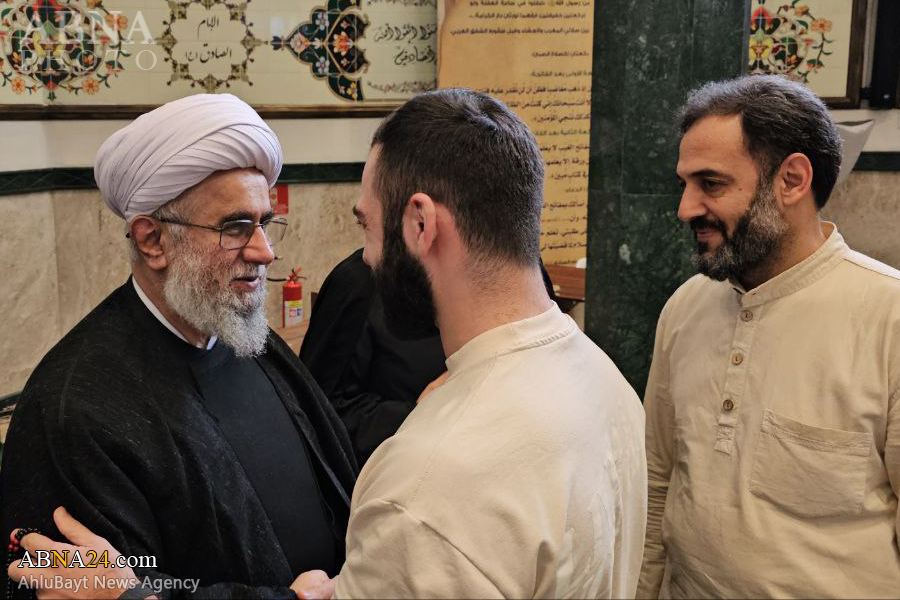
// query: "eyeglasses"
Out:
[235,235]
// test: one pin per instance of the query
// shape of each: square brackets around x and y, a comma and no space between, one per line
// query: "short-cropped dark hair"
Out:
[471,153]
[779,117]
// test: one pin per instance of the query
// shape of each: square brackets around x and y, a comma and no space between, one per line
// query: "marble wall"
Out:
[62,252]
[866,209]
[29,302]
[647,55]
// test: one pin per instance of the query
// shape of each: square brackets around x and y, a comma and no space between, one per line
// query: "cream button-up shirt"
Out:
[523,476]
[773,435]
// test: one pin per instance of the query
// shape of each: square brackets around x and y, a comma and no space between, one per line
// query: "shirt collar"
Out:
[519,335]
[811,269]
[162,319]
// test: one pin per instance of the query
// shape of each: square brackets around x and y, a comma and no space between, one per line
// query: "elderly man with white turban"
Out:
[170,420]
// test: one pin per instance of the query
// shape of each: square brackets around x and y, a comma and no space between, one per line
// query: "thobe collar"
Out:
[806,272]
[162,319]
[534,331]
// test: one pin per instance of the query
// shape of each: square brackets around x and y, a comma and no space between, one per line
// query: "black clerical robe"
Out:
[121,423]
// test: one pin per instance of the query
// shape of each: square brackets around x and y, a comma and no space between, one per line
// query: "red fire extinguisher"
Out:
[292,299]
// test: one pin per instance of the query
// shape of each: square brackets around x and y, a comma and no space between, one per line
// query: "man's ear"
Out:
[420,223]
[146,234]
[793,181]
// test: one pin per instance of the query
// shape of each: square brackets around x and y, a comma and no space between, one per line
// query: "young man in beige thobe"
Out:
[521,476]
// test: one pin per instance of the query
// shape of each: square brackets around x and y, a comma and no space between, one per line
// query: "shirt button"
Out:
[728,405]
[737,358]
[746,315]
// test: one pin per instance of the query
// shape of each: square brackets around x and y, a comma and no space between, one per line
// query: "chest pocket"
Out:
[810,471]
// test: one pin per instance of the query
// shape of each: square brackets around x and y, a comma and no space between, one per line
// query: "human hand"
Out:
[74,581]
[433,385]
[313,585]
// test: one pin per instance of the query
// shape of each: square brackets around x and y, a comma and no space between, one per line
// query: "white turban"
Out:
[176,146]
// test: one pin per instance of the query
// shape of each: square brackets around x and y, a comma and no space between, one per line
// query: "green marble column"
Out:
[647,55]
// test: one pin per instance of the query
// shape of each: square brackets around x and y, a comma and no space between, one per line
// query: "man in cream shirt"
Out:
[773,431]
[523,475]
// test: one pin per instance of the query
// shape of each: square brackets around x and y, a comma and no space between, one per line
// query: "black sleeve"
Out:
[337,349]
[73,456]
[369,418]
[337,320]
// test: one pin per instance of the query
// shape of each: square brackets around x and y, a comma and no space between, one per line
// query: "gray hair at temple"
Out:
[471,153]
[177,209]
[778,117]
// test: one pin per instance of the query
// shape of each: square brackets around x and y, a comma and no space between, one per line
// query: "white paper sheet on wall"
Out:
[853,138]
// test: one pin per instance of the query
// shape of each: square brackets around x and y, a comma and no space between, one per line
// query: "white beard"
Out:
[192,290]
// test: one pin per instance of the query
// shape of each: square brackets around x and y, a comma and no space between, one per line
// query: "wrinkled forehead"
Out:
[230,195]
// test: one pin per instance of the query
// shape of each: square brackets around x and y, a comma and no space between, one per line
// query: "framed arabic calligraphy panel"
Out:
[119,58]
[817,42]
[536,57]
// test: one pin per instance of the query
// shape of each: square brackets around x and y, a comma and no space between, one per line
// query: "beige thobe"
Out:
[523,476]
[773,435]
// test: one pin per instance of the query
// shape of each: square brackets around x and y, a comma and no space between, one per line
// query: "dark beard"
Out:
[405,291]
[757,239]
